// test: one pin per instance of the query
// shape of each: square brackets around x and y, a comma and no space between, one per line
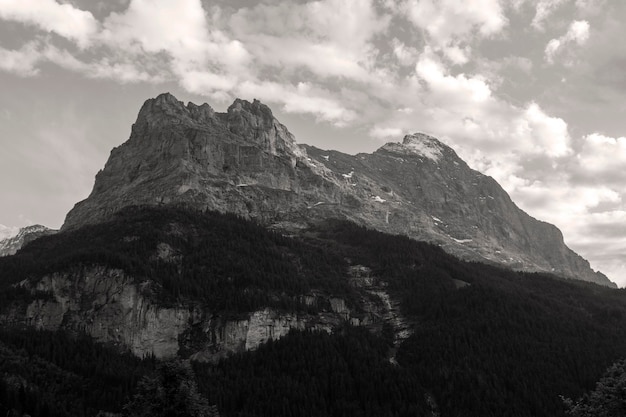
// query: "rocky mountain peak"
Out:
[244,161]
[251,121]
[256,123]
[166,110]
[421,145]
[424,145]
[256,108]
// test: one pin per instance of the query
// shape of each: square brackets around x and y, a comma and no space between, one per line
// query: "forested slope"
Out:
[486,341]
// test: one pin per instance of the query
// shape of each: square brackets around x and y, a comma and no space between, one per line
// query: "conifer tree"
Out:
[170,392]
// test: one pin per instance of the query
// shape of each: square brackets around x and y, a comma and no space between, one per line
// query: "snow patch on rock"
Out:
[461,240]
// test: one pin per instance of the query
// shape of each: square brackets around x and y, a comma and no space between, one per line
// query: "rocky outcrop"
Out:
[381,308]
[108,305]
[245,162]
[11,245]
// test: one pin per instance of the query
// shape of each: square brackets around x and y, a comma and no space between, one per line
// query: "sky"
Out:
[530,92]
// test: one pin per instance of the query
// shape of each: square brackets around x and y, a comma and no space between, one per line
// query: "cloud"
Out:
[548,134]
[452,24]
[160,40]
[544,9]
[48,15]
[452,20]
[177,38]
[450,89]
[124,72]
[20,62]
[178,27]
[578,33]
[590,7]
[406,55]
[25,61]
[330,38]
[551,49]
[379,132]
[600,236]
[303,98]
[601,160]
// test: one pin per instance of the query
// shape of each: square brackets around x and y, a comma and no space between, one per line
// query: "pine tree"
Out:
[170,392]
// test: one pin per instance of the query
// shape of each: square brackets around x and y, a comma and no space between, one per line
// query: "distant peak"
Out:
[420,138]
[419,144]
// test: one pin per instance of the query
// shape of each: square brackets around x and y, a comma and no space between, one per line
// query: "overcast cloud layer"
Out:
[530,92]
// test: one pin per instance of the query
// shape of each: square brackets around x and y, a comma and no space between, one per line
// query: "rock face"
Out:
[108,305]
[11,245]
[245,162]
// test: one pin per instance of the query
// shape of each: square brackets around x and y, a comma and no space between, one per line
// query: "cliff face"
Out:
[245,162]
[108,305]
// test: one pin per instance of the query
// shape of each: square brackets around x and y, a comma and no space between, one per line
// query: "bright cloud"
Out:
[453,24]
[602,160]
[577,33]
[450,88]
[179,30]
[50,16]
[385,132]
[449,21]
[331,38]
[406,55]
[548,134]
[176,26]
[20,62]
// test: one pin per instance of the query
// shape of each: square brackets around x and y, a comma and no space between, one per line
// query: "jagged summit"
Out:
[244,120]
[256,107]
[245,161]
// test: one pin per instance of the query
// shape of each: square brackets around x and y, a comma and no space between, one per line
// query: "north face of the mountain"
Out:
[246,162]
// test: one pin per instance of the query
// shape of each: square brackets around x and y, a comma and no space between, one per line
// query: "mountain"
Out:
[171,258]
[12,244]
[246,162]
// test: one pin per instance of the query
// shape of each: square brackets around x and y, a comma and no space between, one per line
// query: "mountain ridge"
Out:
[244,161]
[12,244]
